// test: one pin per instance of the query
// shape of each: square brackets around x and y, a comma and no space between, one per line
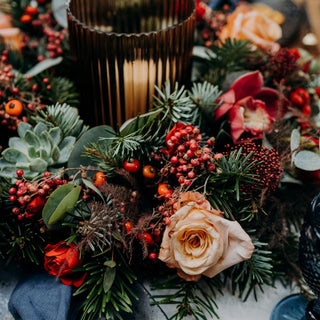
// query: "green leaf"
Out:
[46,141]
[13,155]
[33,153]
[39,128]
[108,278]
[91,186]
[31,139]
[56,135]
[307,160]
[38,165]
[139,122]
[23,128]
[55,154]
[18,143]
[110,263]
[60,202]
[77,157]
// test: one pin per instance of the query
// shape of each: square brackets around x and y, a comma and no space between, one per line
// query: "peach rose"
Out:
[247,24]
[200,241]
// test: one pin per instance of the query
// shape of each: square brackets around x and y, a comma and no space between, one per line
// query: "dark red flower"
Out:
[60,259]
[250,107]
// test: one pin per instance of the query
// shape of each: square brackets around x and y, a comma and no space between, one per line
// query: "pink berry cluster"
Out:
[28,197]
[186,157]
[29,96]
[52,37]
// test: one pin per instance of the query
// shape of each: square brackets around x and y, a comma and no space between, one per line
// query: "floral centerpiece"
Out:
[195,193]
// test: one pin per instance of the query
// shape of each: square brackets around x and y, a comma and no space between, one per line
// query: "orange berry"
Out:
[100,179]
[14,107]
[25,18]
[164,189]
[149,172]
[31,10]
[128,226]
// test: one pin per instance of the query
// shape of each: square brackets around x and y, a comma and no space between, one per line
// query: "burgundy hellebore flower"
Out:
[250,107]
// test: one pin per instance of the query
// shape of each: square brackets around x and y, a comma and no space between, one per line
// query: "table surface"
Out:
[230,307]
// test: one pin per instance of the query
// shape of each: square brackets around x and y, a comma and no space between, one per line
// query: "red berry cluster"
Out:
[300,99]
[187,158]
[282,63]
[264,165]
[28,197]
[151,237]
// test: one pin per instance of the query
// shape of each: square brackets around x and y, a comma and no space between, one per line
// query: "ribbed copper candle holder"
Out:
[123,48]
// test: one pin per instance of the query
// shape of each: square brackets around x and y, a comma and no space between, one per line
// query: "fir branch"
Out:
[176,105]
[192,298]
[251,274]
[226,57]
[107,289]
[63,116]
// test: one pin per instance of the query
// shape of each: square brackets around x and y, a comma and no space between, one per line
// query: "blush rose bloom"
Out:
[199,241]
[247,24]
[60,259]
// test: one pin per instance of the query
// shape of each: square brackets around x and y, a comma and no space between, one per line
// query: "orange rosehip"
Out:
[149,172]
[14,108]
[100,179]
[31,10]
[25,18]
[164,189]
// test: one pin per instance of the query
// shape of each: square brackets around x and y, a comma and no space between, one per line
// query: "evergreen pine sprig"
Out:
[107,292]
[248,276]
[192,298]
[21,242]
[176,105]
[62,90]
[65,117]
[226,57]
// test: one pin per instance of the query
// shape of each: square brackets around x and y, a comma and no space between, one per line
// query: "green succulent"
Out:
[36,150]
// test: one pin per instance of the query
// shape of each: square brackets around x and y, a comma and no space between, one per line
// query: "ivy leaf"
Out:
[60,202]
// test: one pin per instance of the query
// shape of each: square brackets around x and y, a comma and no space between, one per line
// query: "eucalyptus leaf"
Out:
[60,202]
[307,160]
[295,139]
[108,278]
[43,65]
[59,8]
